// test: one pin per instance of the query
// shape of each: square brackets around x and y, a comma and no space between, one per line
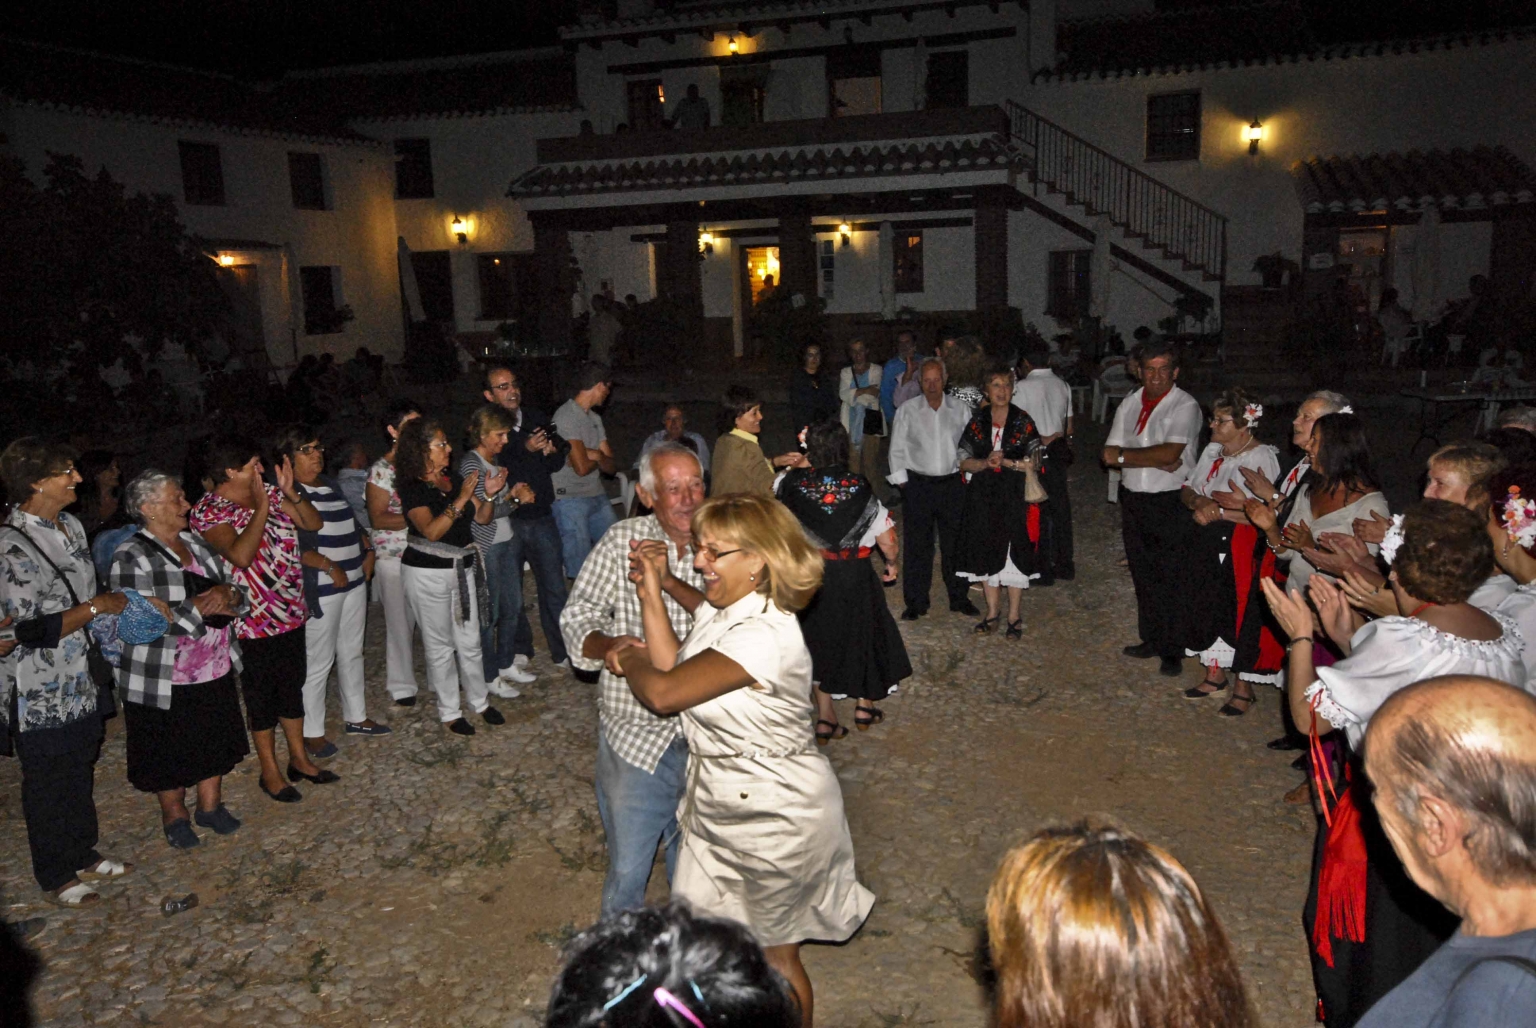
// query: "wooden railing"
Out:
[1162,218]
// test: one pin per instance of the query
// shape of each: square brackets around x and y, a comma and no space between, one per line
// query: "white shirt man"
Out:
[1048,402]
[1046,399]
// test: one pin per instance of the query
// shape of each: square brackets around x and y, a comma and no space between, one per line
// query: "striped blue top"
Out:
[338,537]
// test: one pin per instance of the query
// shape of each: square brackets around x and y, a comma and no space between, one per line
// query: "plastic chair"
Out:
[1104,392]
[626,494]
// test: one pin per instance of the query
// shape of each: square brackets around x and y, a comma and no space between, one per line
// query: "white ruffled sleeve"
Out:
[1386,655]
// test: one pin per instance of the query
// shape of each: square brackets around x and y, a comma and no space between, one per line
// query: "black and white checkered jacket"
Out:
[142,564]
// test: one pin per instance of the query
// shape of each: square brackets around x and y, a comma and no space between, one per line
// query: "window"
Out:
[645,106]
[1173,127]
[413,169]
[828,267]
[202,174]
[1069,287]
[909,262]
[502,277]
[434,281]
[306,179]
[322,316]
[949,79]
[741,103]
[853,81]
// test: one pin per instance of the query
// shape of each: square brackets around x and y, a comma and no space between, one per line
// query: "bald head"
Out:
[1469,743]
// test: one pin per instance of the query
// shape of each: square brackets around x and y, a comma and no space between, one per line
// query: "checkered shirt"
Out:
[604,600]
[138,564]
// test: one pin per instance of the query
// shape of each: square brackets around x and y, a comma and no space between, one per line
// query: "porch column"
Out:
[552,264]
[797,256]
[991,237]
[677,278]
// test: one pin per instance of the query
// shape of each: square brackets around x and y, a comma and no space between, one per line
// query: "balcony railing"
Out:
[1146,209]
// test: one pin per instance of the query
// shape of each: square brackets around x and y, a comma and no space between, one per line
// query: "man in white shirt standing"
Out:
[1048,402]
[925,461]
[1154,443]
[858,387]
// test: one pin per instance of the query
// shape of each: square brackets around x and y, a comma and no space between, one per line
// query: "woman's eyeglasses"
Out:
[713,555]
[311,448]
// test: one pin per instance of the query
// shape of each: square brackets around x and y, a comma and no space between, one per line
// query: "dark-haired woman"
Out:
[444,582]
[255,526]
[388,531]
[1226,561]
[738,464]
[1370,925]
[856,648]
[811,397]
[1004,540]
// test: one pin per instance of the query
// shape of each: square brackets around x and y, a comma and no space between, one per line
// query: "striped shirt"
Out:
[338,538]
[499,529]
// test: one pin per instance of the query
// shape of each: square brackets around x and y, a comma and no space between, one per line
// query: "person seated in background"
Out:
[1500,365]
[1450,762]
[1093,925]
[664,968]
[1395,323]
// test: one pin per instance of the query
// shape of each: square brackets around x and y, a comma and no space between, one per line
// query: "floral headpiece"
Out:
[1393,539]
[1252,413]
[1519,518]
[801,436]
[1346,409]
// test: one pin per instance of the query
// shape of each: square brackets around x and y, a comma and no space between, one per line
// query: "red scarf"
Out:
[1215,467]
[1148,403]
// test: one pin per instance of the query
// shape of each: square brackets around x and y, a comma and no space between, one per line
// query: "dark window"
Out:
[503,279]
[202,173]
[949,79]
[909,262]
[1069,286]
[307,181]
[413,169]
[434,281]
[1173,127]
[321,315]
[741,103]
[853,81]
[645,107]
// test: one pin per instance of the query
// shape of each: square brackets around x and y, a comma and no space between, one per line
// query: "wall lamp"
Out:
[706,242]
[226,260]
[460,229]
[733,46]
[846,231]
[1253,133]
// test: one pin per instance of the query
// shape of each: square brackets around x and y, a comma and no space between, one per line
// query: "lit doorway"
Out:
[762,270]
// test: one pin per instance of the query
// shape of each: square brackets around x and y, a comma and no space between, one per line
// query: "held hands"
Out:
[218,600]
[1373,530]
[1207,511]
[648,566]
[791,460]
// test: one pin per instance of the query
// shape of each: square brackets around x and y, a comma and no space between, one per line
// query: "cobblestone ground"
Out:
[434,885]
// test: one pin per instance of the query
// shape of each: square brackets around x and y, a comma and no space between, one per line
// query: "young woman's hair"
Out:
[1522,479]
[768,529]
[288,438]
[29,460]
[398,410]
[1343,456]
[1093,926]
[1476,463]
[411,450]
[229,453]
[826,444]
[1446,552]
[737,401]
[485,420]
[711,966]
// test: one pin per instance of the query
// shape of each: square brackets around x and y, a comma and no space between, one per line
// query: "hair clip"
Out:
[1252,413]
[667,1001]
[697,994]
[1346,409]
[631,987]
[1393,539]
[1519,518]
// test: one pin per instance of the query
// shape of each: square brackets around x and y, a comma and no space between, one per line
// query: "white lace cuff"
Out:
[1317,696]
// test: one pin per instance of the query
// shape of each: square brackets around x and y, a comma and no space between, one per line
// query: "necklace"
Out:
[1245,447]
[1421,608]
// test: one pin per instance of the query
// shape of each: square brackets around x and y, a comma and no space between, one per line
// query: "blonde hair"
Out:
[1476,463]
[485,420]
[766,528]
[1096,926]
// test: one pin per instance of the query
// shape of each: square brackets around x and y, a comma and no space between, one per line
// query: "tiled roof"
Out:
[451,87]
[814,164]
[724,13]
[1450,179]
[102,85]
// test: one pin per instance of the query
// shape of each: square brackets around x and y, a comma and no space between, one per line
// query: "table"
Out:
[1432,419]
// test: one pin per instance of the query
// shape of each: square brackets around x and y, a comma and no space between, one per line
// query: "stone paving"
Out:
[436,882]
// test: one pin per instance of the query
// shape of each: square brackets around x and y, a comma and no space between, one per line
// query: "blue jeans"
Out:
[498,628]
[582,521]
[639,810]
[537,541]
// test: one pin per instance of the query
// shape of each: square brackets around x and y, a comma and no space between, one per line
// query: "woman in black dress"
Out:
[856,649]
[1003,538]
[811,397]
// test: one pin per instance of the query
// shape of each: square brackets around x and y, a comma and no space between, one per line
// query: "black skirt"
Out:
[856,648]
[995,527]
[201,736]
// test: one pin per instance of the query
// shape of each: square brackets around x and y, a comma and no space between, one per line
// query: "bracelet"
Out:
[1300,638]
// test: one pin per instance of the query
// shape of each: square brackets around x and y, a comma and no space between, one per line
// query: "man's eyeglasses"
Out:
[311,448]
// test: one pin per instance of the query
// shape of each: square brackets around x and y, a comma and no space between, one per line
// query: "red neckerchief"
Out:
[1215,467]
[1147,406]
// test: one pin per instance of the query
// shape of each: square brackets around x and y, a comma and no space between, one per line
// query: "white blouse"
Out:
[1520,607]
[1215,473]
[1341,520]
[1392,653]
[1493,592]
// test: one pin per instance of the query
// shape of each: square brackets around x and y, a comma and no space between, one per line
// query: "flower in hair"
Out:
[801,436]
[1252,413]
[1393,539]
[1346,409]
[1519,518]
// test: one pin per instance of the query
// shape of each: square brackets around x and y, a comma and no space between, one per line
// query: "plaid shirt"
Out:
[604,600]
[139,564]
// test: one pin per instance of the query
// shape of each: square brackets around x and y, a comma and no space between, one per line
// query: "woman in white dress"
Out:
[1370,925]
[764,839]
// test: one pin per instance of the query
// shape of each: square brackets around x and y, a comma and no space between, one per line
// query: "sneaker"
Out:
[518,675]
[503,690]
[367,728]
[566,663]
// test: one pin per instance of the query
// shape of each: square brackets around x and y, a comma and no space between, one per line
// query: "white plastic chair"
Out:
[626,494]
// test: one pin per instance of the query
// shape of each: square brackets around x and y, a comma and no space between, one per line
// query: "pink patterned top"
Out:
[201,658]
[275,579]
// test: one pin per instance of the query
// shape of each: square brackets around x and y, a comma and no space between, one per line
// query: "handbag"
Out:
[1060,451]
[1034,492]
[196,584]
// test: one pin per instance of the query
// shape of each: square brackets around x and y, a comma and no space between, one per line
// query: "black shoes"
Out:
[219,819]
[1172,667]
[1066,574]
[1141,651]
[461,727]
[912,614]
[406,701]
[323,778]
[493,716]
[1287,742]
[965,607]
[287,794]
[180,835]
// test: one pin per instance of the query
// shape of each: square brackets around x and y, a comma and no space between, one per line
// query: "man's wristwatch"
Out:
[1121,458]
[91,606]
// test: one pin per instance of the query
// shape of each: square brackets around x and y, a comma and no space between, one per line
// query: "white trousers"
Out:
[335,638]
[399,625]
[433,594]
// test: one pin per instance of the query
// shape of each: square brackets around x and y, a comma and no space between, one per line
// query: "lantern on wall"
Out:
[1253,133]
[460,228]
[733,46]
[845,230]
[706,242]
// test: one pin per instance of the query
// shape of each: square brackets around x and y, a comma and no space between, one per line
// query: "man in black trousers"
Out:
[1154,442]
[925,462]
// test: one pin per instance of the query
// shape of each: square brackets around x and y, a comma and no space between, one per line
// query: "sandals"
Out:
[1199,692]
[104,870]
[1229,709]
[1015,630]
[834,731]
[985,625]
[864,717]
[75,896]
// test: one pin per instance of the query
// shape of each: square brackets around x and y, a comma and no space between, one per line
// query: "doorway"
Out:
[761,268]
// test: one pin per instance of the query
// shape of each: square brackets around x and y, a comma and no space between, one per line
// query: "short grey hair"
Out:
[943,371]
[1522,417]
[1335,402]
[662,450]
[145,488]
